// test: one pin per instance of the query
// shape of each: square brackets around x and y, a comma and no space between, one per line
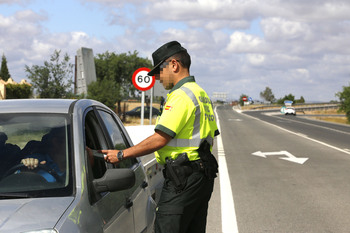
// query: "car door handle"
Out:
[128,204]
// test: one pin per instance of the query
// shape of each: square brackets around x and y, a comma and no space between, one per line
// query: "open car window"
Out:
[44,138]
[117,138]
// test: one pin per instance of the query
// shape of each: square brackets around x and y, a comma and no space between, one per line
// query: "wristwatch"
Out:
[120,155]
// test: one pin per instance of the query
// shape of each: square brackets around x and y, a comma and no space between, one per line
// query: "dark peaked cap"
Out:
[164,52]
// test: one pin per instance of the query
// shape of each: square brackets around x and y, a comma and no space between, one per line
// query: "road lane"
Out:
[334,134]
[275,195]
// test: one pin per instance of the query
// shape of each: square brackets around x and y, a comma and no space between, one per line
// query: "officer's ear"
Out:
[175,65]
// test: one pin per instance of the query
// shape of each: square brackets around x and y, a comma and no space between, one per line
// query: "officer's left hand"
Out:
[111,156]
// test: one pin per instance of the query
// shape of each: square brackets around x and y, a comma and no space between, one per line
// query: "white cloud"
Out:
[14,2]
[256,59]
[25,42]
[244,43]
[19,25]
[282,29]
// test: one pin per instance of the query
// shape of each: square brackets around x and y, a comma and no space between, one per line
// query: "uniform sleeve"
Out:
[176,113]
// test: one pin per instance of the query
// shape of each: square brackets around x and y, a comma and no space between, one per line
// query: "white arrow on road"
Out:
[290,157]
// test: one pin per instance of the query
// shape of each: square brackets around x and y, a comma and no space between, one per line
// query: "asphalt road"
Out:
[301,185]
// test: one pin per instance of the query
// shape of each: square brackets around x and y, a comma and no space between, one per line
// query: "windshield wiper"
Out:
[14,195]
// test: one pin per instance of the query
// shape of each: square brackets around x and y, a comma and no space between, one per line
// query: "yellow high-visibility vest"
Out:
[188,117]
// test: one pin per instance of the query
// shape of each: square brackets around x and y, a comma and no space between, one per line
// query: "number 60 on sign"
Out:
[141,80]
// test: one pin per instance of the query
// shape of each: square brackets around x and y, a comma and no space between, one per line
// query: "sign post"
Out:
[143,82]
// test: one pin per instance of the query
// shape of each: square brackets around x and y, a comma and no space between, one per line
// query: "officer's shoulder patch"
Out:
[168,107]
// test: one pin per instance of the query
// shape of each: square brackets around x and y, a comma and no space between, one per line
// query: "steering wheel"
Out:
[21,167]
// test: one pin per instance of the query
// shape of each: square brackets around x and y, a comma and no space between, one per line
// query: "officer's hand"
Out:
[110,156]
[32,163]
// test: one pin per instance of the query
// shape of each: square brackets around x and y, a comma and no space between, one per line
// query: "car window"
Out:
[118,139]
[95,140]
[120,142]
[41,137]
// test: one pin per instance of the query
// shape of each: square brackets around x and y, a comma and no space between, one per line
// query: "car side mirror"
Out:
[115,180]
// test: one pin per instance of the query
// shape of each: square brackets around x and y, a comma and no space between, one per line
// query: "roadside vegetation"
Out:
[334,119]
[344,97]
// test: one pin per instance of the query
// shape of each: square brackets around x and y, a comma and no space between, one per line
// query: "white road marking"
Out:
[228,213]
[290,157]
[235,119]
[319,126]
[306,137]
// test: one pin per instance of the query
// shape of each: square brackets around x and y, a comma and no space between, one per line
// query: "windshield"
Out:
[35,155]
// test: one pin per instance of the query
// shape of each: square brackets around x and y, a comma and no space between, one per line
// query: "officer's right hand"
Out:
[110,156]
[32,163]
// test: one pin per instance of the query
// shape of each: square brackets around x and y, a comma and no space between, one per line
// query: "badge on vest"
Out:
[168,108]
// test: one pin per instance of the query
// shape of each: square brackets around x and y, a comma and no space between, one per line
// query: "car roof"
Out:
[36,105]
[46,105]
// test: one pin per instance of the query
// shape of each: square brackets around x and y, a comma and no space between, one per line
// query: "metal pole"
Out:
[142,107]
[151,107]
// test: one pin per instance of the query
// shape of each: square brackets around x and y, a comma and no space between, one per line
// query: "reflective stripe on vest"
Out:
[196,135]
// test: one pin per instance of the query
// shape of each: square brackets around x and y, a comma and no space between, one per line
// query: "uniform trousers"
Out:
[185,211]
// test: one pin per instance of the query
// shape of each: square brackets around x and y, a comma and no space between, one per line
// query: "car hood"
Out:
[20,215]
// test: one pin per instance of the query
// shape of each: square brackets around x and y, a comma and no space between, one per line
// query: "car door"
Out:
[113,207]
[138,196]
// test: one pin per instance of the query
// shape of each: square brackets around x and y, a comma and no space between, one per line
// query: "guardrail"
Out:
[309,107]
[325,107]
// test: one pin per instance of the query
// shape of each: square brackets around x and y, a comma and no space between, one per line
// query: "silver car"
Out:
[69,188]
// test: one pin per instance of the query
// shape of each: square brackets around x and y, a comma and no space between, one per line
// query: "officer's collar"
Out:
[182,82]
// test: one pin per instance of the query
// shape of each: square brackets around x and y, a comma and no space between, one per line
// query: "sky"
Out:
[237,47]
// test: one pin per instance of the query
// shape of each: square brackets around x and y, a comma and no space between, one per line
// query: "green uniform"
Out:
[188,118]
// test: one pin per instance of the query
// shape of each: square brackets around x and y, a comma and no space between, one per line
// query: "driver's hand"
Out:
[32,163]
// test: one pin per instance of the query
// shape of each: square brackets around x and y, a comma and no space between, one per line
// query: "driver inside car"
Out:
[9,154]
[50,153]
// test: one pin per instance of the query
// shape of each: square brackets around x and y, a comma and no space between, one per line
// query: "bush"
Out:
[18,91]
[344,98]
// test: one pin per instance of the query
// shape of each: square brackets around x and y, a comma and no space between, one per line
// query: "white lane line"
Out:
[305,136]
[228,213]
[315,125]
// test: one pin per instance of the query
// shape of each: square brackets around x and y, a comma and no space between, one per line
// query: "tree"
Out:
[104,91]
[286,97]
[241,102]
[301,100]
[344,98]
[4,72]
[268,95]
[116,70]
[54,78]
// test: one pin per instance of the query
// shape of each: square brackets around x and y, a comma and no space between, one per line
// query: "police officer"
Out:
[183,139]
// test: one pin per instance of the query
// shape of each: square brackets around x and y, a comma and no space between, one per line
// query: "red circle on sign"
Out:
[140,80]
[244,98]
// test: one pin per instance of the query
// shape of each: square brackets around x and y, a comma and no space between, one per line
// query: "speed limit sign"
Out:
[141,80]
